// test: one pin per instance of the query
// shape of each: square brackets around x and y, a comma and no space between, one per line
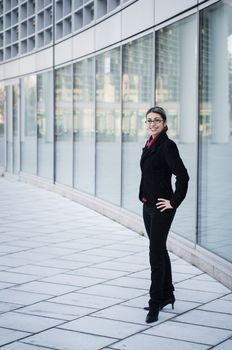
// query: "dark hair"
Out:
[161,112]
[158,110]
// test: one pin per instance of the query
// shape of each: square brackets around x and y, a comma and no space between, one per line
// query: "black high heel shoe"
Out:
[164,303]
[170,300]
[152,315]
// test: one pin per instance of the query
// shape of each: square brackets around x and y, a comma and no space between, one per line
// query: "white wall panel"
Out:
[44,59]
[10,69]
[108,31]
[137,17]
[83,43]
[164,9]
[27,64]
[63,51]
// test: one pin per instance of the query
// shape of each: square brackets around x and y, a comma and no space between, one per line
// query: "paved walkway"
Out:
[71,279]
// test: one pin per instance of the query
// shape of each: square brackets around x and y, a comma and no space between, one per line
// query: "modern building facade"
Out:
[76,78]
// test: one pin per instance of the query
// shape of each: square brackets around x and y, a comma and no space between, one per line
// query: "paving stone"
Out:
[86,300]
[104,327]
[73,280]
[195,295]
[22,346]
[227,345]
[26,323]
[205,286]
[62,340]
[51,289]
[219,305]
[55,310]
[207,318]
[137,283]
[9,335]
[37,270]
[148,342]
[117,292]
[20,297]
[190,332]
[129,314]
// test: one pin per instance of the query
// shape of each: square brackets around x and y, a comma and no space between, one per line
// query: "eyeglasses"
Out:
[156,121]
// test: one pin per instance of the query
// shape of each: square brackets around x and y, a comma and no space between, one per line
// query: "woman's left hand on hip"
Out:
[163,204]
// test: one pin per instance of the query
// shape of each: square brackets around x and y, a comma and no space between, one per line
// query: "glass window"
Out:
[64,126]
[215,197]
[137,61]
[9,135]
[15,111]
[2,142]
[45,124]
[84,126]
[28,125]
[176,89]
[108,127]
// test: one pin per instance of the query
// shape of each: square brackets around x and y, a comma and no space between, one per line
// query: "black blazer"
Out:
[157,165]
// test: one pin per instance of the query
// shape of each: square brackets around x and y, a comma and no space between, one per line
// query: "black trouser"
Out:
[157,225]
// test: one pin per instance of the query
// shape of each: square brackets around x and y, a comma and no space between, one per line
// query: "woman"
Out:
[160,159]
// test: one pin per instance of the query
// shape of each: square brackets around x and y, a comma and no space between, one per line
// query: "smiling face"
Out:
[155,124]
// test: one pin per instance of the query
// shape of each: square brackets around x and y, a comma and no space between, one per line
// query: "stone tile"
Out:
[98,273]
[16,278]
[130,248]
[179,276]
[149,342]
[118,266]
[63,264]
[178,266]
[227,345]
[195,295]
[207,318]
[4,285]
[59,339]
[73,280]
[135,259]
[20,297]
[205,286]
[146,274]
[205,277]
[9,335]
[219,305]
[51,289]
[4,307]
[86,300]
[227,297]
[180,306]
[83,257]
[103,327]
[56,310]
[26,323]
[137,283]
[129,314]
[37,270]
[190,332]
[117,292]
[22,346]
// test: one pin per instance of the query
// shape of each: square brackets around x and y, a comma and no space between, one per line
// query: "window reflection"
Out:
[108,126]
[28,127]
[2,146]
[137,98]
[45,124]
[84,125]
[176,87]
[63,125]
[216,129]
